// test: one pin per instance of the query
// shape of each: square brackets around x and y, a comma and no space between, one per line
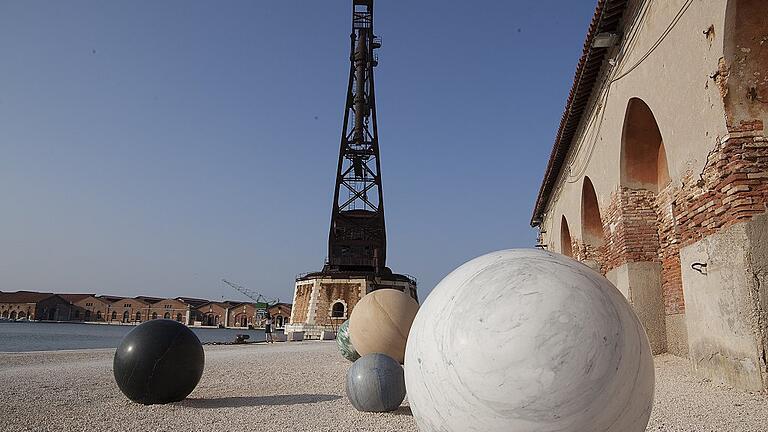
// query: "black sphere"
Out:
[158,362]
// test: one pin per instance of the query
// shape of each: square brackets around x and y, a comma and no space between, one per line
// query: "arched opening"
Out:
[113,316]
[566,245]
[98,315]
[241,320]
[154,315]
[167,315]
[338,310]
[643,156]
[5,314]
[51,314]
[279,321]
[743,75]
[87,315]
[126,316]
[138,316]
[646,223]
[22,315]
[591,222]
[13,315]
[178,317]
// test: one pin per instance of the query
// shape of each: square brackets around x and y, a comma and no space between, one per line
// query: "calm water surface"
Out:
[32,336]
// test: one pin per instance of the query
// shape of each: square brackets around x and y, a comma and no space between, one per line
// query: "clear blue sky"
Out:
[154,147]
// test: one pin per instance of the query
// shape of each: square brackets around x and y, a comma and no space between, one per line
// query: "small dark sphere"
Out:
[375,383]
[158,362]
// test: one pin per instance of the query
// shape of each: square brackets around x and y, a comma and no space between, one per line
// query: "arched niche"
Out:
[591,222]
[643,156]
[566,245]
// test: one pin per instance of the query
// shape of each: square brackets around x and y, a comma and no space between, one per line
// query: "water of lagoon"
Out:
[36,336]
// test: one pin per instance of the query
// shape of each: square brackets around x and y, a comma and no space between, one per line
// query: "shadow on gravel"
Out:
[403,410]
[247,401]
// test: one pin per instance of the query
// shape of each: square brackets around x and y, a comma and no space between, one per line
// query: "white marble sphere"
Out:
[528,340]
[380,323]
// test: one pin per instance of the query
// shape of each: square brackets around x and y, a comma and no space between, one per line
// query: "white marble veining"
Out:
[528,340]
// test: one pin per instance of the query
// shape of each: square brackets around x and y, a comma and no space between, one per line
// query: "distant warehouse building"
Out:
[34,306]
[659,175]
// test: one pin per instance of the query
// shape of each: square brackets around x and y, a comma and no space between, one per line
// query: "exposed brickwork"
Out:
[733,186]
[669,252]
[301,307]
[630,228]
[329,293]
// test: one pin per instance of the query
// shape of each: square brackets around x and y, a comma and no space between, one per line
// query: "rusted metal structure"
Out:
[357,240]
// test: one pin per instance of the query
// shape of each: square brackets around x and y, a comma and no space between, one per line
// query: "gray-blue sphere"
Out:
[375,383]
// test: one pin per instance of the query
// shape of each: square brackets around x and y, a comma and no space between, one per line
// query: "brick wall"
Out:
[301,307]
[643,226]
[329,293]
[630,228]
[669,251]
[733,186]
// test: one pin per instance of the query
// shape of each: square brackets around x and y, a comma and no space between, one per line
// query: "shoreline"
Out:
[129,324]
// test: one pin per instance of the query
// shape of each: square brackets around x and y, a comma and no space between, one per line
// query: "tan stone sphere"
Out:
[380,323]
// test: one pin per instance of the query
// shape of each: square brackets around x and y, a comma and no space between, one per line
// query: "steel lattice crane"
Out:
[253,295]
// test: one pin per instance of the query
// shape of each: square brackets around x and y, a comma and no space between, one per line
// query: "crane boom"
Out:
[253,295]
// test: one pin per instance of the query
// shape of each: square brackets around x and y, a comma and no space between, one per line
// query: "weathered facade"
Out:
[171,308]
[325,301]
[659,175]
[281,313]
[88,307]
[34,306]
[128,310]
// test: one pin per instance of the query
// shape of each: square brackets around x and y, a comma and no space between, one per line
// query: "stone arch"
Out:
[742,75]
[5,314]
[138,316]
[126,316]
[21,315]
[179,317]
[154,315]
[98,316]
[113,316]
[339,309]
[13,315]
[591,225]
[279,321]
[566,243]
[167,315]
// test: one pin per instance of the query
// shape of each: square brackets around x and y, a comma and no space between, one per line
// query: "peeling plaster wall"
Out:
[639,282]
[688,83]
[721,313]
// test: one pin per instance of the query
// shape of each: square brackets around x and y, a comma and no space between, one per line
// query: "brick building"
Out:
[170,308]
[213,313]
[34,306]
[129,310]
[281,313]
[88,307]
[659,175]
[242,315]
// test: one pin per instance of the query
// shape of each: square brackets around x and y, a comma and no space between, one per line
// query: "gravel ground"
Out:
[291,387]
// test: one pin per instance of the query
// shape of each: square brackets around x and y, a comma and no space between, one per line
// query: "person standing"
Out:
[268,329]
